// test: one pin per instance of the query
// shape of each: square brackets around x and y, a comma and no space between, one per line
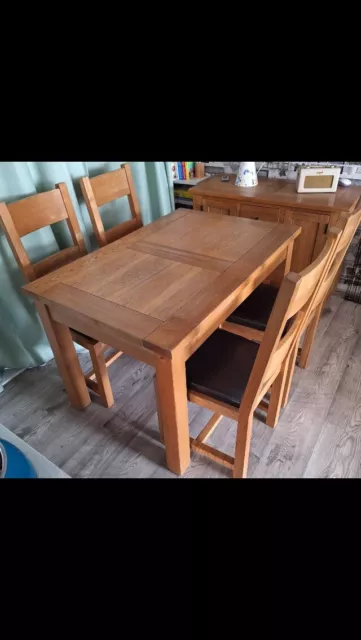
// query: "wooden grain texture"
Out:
[348,226]
[96,315]
[133,199]
[94,213]
[212,453]
[173,412]
[304,248]
[245,332]
[30,214]
[337,453]
[109,186]
[295,438]
[270,371]
[35,212]
[279,192]
[73,224]
[122,296]
[101,377]
[209,428]
[16,245]
[218,406]
[61,342]
[181,255]
[59,259]
[169,289]
[99,259]
[123,442]
[197,319]
[278,201]
[172,287]
[109,359]
[264,213]
[105,188]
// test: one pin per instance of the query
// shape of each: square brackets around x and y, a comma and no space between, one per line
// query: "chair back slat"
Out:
[33,213]
[349,225]
[106,188]
[36,212]
[280,354]
[121,230]
[286,322]
[57,260]
[311,275]
[110,186]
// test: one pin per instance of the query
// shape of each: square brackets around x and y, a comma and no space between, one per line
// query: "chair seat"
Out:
[221,367]
[255,311]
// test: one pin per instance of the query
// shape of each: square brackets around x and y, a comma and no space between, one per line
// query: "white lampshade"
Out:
[247,175]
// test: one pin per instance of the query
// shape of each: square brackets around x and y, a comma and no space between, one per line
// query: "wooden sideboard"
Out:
[278,201]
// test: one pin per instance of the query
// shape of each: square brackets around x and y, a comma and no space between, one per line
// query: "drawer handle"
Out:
[256,218]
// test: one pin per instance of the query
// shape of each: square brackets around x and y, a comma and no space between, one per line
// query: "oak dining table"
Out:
[157,295]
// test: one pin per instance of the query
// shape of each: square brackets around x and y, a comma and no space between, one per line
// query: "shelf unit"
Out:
[181,188]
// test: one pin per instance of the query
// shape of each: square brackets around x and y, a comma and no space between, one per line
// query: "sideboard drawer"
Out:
[212,205]
[268,214]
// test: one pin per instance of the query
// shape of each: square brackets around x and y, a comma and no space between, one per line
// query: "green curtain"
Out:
[23,342]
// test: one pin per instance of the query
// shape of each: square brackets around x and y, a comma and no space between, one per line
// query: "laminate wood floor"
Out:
[318,435]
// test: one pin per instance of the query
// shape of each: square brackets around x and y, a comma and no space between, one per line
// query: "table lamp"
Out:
[247,175]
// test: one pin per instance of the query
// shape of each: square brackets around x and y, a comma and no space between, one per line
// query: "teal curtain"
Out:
[23,342]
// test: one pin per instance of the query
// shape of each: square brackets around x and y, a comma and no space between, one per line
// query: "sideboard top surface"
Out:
[280,192]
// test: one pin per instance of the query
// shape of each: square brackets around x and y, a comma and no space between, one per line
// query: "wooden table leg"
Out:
[66,358]
[276,277]
[173,409]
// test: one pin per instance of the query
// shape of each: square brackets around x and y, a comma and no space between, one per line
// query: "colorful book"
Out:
[184,171]
[187,170]
[182,193]
[180,171]
[191,170]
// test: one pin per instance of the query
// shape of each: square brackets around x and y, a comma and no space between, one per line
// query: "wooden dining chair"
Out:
[349,225]
[105,188]
[230,375]
[249,320]
[35,212]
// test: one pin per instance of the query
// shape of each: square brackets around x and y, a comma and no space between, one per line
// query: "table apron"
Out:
[72,319]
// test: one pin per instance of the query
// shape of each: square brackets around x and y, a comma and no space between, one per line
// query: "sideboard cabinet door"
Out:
[310,242]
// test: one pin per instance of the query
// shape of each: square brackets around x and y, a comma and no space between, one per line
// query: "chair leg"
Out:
[289,368]
[101,374]
[160,424]
[309,339]
[277,392]
[243,442]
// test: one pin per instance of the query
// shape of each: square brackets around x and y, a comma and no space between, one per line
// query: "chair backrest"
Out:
[286,321]
[35,212]
[105,188]
[348,224]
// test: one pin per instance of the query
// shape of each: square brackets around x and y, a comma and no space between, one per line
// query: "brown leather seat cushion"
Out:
[255,311]
[221,367]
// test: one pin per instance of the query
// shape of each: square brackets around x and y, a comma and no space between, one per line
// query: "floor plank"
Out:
[295,437]
[318,435]
[337,453]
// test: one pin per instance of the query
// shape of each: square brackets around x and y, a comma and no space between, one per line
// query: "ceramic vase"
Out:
[247,175]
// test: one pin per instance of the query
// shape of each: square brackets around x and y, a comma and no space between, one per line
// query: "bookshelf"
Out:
[181,187]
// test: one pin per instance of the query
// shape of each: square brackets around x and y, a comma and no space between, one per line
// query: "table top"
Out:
[43,467]
[158,285]
[281,192]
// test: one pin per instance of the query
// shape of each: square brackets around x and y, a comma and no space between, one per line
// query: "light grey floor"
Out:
[318,435]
